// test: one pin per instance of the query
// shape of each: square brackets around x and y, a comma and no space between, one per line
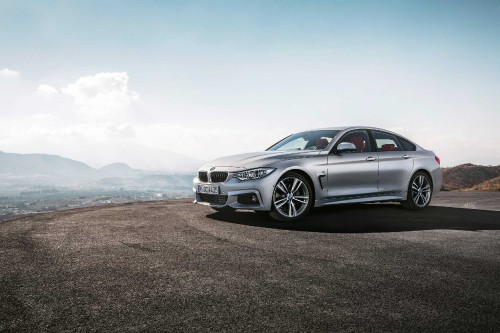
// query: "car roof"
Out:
[344,128]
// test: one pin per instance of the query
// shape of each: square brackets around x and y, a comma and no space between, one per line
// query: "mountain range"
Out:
[137,156]
[41,164]
[54,165]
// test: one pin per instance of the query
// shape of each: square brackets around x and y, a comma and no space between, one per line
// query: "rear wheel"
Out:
[292,198]
[419,191]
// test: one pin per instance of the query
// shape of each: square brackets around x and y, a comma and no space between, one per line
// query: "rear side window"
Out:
[406,145]
[386,141]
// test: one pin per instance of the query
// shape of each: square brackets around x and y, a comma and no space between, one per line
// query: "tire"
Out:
[419,192]
[292,198]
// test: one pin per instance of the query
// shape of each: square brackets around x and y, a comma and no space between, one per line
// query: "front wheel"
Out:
[292,198]
[419,192]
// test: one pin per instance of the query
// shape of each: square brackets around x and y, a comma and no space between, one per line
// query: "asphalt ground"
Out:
[176,266]
[470,200]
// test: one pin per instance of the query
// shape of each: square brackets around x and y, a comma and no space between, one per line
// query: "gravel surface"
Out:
[175,266]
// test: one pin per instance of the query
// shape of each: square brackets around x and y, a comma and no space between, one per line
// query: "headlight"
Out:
[254,173]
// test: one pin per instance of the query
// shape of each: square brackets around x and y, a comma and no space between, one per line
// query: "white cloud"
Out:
[9,73]
[46,90]
[121,131]
[103,95]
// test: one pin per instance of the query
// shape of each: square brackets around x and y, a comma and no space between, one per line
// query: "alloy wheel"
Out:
[421,190]
[291,197]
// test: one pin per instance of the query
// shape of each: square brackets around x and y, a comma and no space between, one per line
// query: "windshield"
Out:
[312,140]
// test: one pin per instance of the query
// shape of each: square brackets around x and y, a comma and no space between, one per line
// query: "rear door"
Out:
[353,174]
[395,163]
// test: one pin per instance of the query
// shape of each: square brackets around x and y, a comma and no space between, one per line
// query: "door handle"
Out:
[406,156]
[371,159]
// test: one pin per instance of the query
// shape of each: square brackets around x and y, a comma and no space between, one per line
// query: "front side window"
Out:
[312,140]
[386,141]
[360,139]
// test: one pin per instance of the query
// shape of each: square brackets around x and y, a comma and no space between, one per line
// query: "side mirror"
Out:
[345,147]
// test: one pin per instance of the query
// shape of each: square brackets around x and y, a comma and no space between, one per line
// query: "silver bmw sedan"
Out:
[331,166]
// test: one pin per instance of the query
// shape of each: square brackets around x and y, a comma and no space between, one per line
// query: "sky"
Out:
[129,81]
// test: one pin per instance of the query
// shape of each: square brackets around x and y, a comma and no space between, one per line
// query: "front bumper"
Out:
[230,190]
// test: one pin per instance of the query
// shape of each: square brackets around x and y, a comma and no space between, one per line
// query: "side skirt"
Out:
[375,197]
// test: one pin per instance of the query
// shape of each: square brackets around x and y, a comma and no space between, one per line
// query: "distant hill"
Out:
[120,170]
[489,185]
[471,177]
[41,164]
[139,157]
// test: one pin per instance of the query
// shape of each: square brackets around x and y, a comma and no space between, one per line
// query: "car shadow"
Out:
[371,218]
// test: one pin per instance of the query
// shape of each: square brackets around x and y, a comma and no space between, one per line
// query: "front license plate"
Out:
[208,189]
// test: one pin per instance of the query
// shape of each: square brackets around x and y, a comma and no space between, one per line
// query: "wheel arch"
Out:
[423,171]
[409,202]
[306,176]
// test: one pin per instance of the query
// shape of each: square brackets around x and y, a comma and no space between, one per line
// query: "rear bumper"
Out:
[232,188]
[437,180]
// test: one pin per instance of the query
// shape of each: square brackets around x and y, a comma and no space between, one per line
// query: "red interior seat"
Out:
[359,142]
[322,143]
[388,147]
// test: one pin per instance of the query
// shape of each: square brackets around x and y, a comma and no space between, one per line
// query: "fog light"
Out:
[248,199]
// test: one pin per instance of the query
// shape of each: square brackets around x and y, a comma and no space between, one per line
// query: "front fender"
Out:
[314,168]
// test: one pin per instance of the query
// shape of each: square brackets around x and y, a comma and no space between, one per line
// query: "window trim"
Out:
[387,133]
[324,149]
[400,138]
[339,141]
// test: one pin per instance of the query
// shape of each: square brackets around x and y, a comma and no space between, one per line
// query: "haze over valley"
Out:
[32,183]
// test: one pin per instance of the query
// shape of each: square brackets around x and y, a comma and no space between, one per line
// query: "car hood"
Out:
[256,159]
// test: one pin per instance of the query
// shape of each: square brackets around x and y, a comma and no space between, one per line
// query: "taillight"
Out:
[437,160]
